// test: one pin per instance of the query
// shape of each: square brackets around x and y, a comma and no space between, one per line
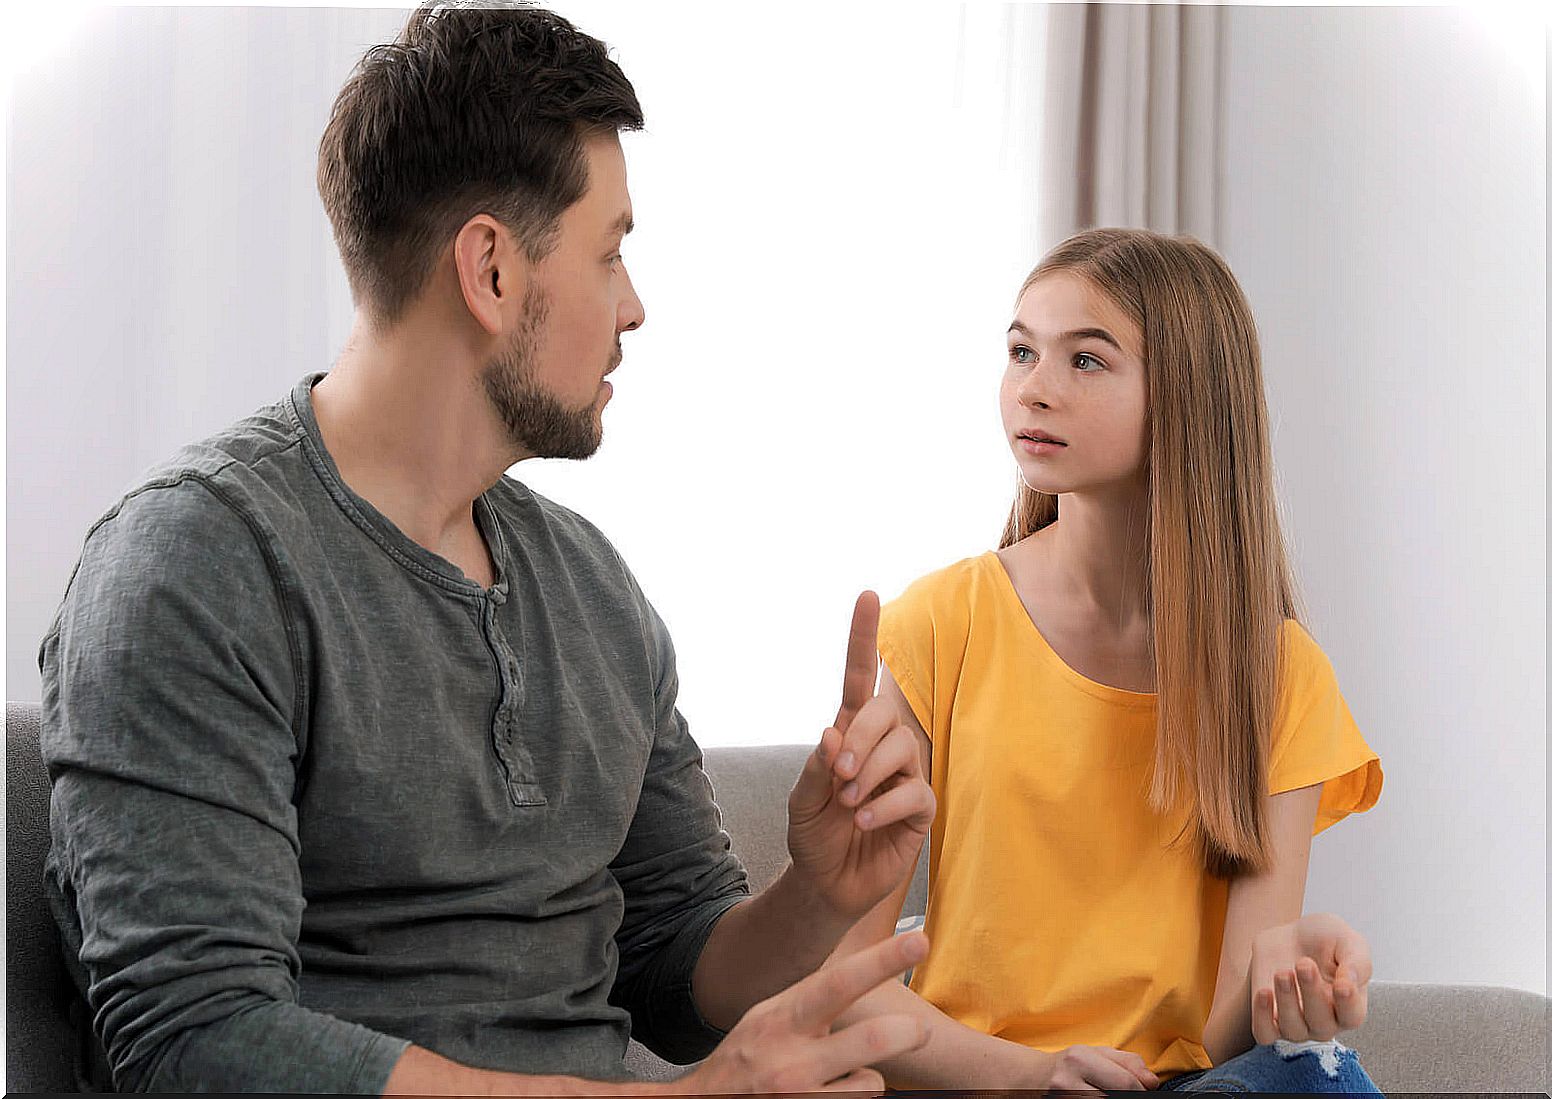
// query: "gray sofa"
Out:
[1419,1038]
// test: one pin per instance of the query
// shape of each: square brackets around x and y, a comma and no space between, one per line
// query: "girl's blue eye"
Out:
[1083,356]
[1021,354]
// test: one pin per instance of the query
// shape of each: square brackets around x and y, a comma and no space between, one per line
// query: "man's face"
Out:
[548,382]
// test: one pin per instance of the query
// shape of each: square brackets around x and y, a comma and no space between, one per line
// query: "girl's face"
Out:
[1074,397]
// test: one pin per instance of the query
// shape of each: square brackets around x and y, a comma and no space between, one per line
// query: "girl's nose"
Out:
[1034,392]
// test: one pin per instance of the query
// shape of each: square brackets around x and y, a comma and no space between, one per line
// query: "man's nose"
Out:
[632,313]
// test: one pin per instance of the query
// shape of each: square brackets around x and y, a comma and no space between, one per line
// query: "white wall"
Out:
[810,407]
[169,265]
[1385,208]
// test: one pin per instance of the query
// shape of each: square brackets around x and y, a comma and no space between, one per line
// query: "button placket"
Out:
[522,787]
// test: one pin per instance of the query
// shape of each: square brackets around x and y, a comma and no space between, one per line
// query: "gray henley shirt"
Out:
[317,795]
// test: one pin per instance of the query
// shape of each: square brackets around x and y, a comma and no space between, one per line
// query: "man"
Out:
[368,774]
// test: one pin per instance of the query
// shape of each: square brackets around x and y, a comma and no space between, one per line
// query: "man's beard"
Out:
[536,421]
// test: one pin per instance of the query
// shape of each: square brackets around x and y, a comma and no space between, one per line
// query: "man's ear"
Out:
[491,271]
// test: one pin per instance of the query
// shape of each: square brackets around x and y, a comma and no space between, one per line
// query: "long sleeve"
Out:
[172,695]
[678,874]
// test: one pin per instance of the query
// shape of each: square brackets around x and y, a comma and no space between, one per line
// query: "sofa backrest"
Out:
[1458,1039]
[45,1022]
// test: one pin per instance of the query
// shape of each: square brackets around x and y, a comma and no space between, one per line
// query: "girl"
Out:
[1130,736]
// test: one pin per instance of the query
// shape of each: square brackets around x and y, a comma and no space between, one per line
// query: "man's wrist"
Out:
[802,895]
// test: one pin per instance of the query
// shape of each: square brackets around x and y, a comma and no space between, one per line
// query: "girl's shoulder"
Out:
[1303,666]
[924,632]
[948,592]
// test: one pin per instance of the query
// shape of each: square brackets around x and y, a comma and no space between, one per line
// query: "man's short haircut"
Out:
[471,110]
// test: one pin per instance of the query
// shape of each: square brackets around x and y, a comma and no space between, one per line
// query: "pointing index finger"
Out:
[819,999]
[861,660]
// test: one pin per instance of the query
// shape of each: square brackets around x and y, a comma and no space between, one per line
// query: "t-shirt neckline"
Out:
[382,530]
[1015,607]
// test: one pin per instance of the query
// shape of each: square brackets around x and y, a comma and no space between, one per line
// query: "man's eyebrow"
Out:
[623,225]
[1073,336]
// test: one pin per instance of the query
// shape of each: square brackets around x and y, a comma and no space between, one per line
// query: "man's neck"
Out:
[407,422]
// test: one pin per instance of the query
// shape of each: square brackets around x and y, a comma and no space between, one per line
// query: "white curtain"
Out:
[1131,119]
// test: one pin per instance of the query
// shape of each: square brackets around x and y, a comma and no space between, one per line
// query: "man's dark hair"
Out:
[471,110]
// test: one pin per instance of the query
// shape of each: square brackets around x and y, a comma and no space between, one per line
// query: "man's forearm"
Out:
[762,946]
[421,1072]
[271,1046]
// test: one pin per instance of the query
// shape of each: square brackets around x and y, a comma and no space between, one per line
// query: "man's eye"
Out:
[1021,354]
[1083,357]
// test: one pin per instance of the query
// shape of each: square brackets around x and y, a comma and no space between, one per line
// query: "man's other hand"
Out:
[785,1044]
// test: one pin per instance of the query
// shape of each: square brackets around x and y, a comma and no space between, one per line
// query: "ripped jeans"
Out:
[1288,1067]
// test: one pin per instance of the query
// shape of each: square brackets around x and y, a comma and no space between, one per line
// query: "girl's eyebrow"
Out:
[1074,335]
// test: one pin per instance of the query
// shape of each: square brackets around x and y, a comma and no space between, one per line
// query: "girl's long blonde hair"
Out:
[1220,585]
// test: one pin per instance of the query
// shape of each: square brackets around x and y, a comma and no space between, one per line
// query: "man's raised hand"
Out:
[862,807]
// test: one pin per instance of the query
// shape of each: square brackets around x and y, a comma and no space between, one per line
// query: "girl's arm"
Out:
[954,1055]
[1258,902]
[1265,937]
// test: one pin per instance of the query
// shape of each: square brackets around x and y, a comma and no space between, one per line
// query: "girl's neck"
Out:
[1097,553]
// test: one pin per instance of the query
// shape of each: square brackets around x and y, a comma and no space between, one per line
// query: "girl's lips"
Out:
[1038,442]
[1040,446]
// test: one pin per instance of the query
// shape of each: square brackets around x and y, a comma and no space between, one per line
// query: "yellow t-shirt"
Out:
[1060,910]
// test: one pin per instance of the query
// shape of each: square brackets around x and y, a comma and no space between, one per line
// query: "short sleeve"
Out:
[921,639]
[905,646]
[1314,737]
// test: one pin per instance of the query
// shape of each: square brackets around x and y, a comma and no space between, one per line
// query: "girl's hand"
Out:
[1093,1068]
[1309,980]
